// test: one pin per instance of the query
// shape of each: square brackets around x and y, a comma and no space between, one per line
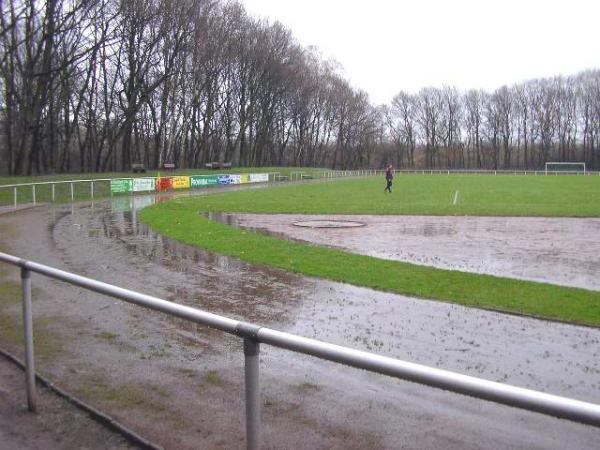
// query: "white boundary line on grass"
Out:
[455,197]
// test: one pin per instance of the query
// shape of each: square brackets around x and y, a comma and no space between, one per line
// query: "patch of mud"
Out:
[181,385]
[58,424]
[560,251]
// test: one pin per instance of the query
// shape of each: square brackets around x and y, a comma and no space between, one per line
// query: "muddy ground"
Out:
[562,251]
[180,385]
[60,426]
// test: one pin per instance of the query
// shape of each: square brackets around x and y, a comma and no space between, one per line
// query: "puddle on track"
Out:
[310,403]
[561,251]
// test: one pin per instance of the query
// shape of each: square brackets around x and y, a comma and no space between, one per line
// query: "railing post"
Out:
[72,195]
[33,193]
[251,369]
[28,331]
[92,189]
[15,196]
[53,192]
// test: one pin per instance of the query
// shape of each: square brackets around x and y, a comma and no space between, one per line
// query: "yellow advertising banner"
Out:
[181,182]
[245,178]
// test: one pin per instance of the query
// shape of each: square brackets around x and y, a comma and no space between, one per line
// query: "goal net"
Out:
[565,167]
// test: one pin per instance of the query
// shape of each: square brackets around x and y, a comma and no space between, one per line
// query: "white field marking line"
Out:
[455,198]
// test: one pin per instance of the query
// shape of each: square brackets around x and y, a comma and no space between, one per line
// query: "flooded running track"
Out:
[562,251]
[181,385]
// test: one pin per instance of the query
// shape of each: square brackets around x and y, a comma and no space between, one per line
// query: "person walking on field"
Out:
[389,176]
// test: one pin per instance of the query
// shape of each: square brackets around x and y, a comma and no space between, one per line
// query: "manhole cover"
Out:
[328,224]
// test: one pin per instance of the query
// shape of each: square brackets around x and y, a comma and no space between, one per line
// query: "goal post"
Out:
[565,167]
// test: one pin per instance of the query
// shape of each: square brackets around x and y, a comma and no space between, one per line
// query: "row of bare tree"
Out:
[97,85]
[523,126]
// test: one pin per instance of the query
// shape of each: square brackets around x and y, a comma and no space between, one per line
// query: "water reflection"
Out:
[110,235]
[233,220]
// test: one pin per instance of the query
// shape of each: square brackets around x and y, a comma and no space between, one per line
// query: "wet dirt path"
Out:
[61,426]
[561,251]
[181,385]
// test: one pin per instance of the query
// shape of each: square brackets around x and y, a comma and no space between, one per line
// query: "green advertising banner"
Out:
[203,180]
[120,186]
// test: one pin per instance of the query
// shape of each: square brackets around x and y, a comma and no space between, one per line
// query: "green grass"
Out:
[180,220]
[81,191]
[478,195]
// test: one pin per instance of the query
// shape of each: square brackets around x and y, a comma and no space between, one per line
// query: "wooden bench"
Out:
[218,165]
[135,168]
[169,166]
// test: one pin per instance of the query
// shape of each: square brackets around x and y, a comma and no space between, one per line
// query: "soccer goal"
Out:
[565,167]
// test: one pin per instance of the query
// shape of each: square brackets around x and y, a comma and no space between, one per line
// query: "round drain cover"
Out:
[328,224]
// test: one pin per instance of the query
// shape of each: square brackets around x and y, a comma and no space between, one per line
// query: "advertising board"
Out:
[164,183]
[259,177]
[144,184]
[181,182]
[121,186]
[203,180]
[224,179]
[235,179]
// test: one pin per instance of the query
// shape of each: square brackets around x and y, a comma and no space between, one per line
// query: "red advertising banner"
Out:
[164,184]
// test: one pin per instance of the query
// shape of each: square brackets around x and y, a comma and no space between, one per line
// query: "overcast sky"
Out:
[390,45]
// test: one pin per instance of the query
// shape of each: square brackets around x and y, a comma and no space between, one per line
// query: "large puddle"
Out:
[554,250]
[308,403]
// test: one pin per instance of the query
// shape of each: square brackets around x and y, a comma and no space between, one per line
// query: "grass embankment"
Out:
[180,220]
[82,191]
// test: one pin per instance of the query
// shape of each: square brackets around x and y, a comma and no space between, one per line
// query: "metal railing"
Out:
[299,176]
[33,190]
[491,172]
[253,335]
[325,174]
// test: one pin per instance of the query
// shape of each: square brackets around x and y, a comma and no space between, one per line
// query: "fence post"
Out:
[33,193]
[53,192]
[15,196]
[92,189]
[72,196]
[251,369]
[28,331]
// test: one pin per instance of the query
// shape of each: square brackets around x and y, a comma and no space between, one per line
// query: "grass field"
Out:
[82,191]
[478,195]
